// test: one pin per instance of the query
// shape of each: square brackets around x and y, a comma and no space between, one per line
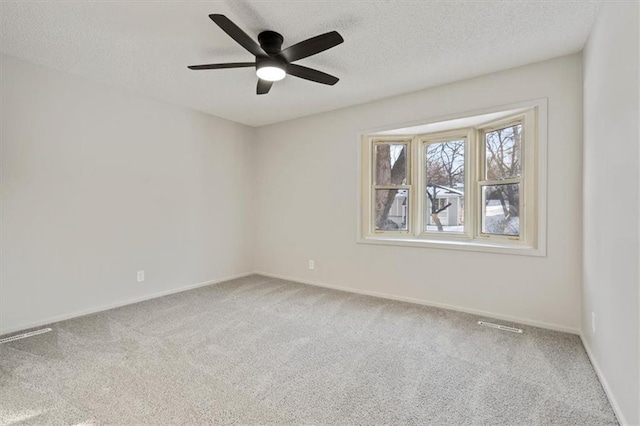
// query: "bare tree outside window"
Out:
[445,185]
[503,162]
[503,153]
[391,206]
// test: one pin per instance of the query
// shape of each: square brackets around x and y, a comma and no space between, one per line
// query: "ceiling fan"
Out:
[272,63]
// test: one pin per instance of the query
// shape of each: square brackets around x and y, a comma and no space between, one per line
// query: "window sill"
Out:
[466,245]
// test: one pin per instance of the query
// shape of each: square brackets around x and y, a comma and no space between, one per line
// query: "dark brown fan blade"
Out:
[263,87]
[237,34]
[312,46]
[311,74]
[222,66]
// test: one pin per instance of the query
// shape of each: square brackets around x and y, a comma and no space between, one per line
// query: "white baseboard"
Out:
[605,384]
[478,312]
[101,308]
[525,321]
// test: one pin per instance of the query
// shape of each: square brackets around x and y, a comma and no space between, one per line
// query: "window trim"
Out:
[533,215]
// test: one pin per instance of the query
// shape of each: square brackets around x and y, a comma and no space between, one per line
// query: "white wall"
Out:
[307,200]
[611,162]
[98,183]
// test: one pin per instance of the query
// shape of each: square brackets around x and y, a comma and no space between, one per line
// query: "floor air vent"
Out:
[500,327]
[24,335]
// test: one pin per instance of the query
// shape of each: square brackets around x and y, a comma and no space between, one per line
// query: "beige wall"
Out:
[611,231]
[307,201]
[98,183]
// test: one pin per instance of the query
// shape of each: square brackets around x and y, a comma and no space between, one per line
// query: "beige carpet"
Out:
[259,350]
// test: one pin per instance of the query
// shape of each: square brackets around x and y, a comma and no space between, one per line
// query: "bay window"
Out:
[472,183]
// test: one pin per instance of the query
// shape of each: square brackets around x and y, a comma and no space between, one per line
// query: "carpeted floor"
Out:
[259,350]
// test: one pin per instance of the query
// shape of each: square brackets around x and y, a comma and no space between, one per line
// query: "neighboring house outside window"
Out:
[471,183]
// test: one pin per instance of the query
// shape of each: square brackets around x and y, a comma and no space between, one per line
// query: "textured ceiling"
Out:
[391,47]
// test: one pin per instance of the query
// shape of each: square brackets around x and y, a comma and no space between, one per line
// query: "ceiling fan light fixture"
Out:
[272,62]
[270,71]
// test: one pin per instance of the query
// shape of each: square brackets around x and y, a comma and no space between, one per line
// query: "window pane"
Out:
[391,164]
[501,209]
[392,209]
[503,150]
[445,186]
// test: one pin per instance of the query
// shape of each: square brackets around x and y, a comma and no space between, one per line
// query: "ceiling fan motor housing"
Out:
[271,42]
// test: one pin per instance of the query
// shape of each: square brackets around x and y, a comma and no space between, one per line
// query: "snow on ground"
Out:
[495,222]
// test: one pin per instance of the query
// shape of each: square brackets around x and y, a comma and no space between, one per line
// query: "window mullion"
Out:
[501,181]
[392,186]
[471,165]
[417,180]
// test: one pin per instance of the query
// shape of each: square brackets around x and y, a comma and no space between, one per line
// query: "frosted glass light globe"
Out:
[270,73]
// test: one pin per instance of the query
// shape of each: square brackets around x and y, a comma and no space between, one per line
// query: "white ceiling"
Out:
[391,47]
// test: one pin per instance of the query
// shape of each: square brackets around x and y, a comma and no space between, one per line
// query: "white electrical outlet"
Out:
[312,264]
[140,276]
[593,322]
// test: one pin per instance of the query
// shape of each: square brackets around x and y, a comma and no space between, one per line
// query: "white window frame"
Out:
[409,186]
[425,140]
[532,236]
